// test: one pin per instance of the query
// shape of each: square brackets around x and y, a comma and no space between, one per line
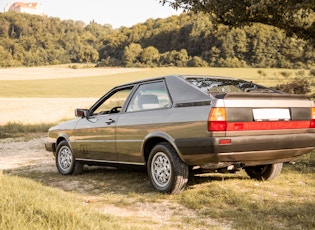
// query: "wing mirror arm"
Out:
[82,113]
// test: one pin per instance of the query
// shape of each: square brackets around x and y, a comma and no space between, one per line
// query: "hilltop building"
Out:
[21,7]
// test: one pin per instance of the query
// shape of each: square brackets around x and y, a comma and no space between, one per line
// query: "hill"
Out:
[186,40]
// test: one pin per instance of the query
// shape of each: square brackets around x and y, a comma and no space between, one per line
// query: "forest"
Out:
[190,39]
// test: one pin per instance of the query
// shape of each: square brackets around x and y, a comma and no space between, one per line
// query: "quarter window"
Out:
[114,103]
[150,96]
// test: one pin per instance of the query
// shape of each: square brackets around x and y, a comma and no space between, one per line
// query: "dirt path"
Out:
[32,73]
[19,152]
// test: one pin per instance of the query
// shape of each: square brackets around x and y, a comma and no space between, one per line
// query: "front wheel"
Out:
[65,161]
[264,172]
[167,172]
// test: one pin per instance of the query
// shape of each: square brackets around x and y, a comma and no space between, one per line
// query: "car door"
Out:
[95,135]
[145,113]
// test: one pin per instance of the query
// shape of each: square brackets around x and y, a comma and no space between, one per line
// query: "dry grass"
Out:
[40,110]
[36,73]
[19,107]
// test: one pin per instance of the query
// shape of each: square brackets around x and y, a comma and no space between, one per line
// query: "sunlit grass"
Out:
[25,204]
[232,200]
[284,203]
[280,204]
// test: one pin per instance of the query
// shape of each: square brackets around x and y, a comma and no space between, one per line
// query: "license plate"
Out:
[271,114]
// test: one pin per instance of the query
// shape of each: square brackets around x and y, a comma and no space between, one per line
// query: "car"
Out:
[181,124]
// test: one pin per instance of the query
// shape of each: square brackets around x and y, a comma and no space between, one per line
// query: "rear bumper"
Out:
[248,150]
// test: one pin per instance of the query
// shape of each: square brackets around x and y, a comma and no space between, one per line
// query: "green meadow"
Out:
[95,86]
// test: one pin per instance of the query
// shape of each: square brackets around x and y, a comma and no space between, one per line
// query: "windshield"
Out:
[221,85]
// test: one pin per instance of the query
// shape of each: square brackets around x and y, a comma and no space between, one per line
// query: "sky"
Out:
[115,12]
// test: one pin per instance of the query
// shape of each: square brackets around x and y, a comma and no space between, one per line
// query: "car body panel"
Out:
[134,128]
[95,138]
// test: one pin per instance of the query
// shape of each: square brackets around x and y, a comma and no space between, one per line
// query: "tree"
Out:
[174,58]
[197,62]
[87,54]
[294,16]
[5,58]
[150,56]
[131,54]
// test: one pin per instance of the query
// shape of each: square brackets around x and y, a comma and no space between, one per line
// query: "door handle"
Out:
[109,121]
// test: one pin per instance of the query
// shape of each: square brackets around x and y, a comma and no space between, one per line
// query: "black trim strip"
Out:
[192,104]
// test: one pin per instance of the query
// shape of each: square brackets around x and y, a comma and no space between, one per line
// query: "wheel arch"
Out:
[61,138]
[155,138]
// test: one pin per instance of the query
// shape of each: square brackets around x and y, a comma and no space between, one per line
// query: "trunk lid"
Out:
[266,113]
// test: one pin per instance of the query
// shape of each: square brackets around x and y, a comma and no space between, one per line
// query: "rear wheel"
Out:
[65,161]
[264,172]
[167,172]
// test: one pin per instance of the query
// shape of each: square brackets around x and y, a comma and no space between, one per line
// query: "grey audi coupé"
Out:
[173,125]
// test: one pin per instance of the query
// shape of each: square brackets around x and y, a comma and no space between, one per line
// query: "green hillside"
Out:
[189,39]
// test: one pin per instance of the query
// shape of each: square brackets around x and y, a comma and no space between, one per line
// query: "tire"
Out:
[264,172]
[65,161]
[167,172]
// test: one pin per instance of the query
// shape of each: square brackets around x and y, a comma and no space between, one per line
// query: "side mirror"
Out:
[81,112]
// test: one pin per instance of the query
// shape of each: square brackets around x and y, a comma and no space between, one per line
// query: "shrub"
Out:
[312,72]
[262,73]
[296,86]
[286,74]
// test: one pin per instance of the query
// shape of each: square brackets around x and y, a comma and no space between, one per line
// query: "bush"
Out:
[197,62]
[312,72]
[286,74]
[262,73]
[296,86]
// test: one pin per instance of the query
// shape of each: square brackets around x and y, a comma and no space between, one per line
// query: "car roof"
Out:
[182,76]
[181,90]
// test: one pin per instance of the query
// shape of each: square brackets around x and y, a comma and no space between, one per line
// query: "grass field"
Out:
[96,86]
[26,204]
[211,201]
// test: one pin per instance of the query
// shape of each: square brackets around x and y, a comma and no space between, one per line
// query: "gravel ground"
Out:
[18,152]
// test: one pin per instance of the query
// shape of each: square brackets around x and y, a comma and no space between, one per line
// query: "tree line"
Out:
[190,39]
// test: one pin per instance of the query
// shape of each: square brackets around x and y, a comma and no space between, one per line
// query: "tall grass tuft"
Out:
[25,204]
[13,129]
[284,203]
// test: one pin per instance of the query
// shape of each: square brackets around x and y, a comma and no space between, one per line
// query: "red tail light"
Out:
[217,119]
[312,123]
[217,122]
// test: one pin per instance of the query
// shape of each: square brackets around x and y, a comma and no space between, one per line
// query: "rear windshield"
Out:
[221,85]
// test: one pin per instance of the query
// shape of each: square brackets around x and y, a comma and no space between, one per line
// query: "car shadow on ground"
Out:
[98,180]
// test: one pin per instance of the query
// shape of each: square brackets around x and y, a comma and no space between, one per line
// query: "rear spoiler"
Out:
[263,96]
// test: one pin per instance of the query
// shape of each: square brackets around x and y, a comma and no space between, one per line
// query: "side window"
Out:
[150,96]
[113,103]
